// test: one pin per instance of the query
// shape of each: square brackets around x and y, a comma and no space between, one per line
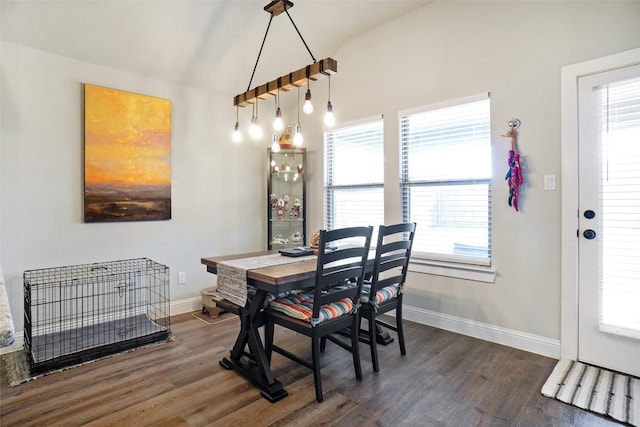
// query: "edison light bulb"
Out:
[254,129]
[297,138]
[329,118]
[237,136]
[277,123]
[308,106]
[275,145]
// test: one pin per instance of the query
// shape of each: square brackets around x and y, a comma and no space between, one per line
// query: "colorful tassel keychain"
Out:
[514,174]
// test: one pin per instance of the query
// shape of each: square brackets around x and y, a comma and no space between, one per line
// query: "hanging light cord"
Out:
[265,39]
[298,105]
[301,38]
[260,52]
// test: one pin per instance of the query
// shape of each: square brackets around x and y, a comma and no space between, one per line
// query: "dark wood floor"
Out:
[446,379]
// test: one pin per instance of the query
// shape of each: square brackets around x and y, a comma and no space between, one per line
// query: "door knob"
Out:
[589,214]
[589,234]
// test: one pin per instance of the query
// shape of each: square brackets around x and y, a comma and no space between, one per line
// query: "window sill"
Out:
[459,271]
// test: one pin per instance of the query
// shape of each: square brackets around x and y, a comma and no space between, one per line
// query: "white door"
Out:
[609,219]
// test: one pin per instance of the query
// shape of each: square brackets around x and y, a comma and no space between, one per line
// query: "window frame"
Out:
[444,264]
[329,188]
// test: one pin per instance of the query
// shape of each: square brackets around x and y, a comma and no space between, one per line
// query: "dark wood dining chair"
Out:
[331,305]
[384,291]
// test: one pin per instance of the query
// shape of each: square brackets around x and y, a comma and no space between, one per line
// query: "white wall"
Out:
[217,187]
[443,51]
[514,50]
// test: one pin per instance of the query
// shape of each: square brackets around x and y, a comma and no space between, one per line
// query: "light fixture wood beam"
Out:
[324,67]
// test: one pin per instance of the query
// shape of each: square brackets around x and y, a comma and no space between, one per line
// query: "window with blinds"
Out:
[619,106]
[354,176]
[445,180]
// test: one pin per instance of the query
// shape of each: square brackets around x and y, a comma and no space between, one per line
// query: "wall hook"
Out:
[513,124]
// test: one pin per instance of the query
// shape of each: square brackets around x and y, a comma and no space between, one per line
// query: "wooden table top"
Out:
[275,275]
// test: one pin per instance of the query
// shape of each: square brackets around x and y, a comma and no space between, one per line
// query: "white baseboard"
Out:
[185,305]
[509,337]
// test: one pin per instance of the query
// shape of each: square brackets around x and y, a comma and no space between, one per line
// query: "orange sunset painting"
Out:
[127,156]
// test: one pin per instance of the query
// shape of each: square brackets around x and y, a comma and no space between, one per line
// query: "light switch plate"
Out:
[550,183]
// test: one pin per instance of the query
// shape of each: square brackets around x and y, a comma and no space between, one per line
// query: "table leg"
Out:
[256,369]
[382,336]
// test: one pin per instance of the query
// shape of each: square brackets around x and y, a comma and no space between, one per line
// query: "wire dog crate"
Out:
[82,312]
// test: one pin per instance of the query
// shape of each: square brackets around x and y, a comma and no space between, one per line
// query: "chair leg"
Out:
[403,350]
[315,353]
[355,347]
[373,342]
[323,343]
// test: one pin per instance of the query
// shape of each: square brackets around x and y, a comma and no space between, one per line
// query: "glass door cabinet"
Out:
[286,200]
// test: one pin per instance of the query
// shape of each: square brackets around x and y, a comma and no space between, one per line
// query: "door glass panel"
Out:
[619,196]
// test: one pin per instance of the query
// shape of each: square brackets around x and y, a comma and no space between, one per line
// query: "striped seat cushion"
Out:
[385,294]
[300,306]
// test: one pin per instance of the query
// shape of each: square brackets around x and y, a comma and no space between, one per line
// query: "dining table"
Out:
[248,356]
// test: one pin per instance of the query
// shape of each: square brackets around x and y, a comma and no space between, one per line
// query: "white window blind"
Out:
[354,175]
[445,180]
[620,207]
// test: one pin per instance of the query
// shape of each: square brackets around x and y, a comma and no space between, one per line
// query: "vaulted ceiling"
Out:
[209,44]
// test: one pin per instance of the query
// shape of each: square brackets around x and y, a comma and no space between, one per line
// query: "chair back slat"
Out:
[339,294]
[390,281]
[337,276]
[398,245]
[389,263]
[342,255]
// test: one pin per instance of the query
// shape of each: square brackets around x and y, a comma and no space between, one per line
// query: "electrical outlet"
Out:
[182,278]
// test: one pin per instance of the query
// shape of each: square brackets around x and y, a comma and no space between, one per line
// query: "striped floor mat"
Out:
[596,390]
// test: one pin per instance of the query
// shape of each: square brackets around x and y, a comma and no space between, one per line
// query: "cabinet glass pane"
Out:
[286,198]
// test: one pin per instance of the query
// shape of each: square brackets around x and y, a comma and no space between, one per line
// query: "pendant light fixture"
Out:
[275,144]
[294,79]
[254,129]
[308,106]
[297,137]
[329,118]
[278,124]
[237,136]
